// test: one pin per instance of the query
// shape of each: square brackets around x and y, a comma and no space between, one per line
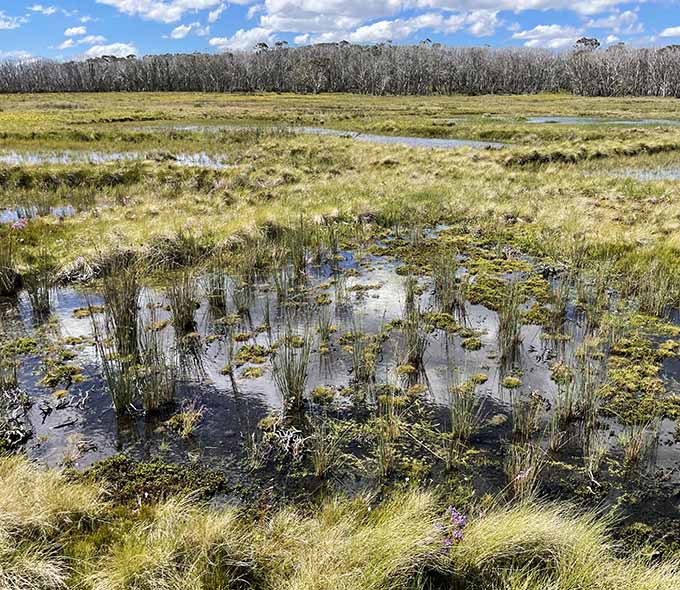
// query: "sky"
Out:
[78,29]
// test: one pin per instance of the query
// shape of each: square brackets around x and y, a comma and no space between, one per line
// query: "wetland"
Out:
[232,331]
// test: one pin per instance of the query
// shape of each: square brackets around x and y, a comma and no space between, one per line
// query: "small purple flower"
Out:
[20,224]
[454,530]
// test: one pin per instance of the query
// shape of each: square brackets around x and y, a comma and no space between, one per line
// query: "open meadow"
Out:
[278,341]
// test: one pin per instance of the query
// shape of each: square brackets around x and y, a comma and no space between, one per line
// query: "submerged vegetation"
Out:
[279,374]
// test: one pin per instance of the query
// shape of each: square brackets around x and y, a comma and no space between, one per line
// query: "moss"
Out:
[561,373]
[416,390]
[252,373]
[20,347]
[488,291]
[323,395]
[58,373]
[538,315]
[406,370]
[158,326]
[441,321]
[127,480]
[251,353]
[472,343]
[322,299]
[86,312]
[511,382]
[479,378]
[635,391]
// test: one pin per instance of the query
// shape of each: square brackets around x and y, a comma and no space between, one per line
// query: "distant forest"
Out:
[384,69]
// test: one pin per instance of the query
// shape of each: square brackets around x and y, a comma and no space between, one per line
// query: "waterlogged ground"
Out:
[579,212]
[196,160]
[72,421]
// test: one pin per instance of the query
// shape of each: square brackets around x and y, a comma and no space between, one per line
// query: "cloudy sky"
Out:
[66,29]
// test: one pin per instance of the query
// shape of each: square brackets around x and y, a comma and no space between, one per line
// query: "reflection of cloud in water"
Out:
[231,414]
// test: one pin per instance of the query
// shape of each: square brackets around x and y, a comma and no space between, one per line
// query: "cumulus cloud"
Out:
[244,39]
[75,31]
[670,32]
[115,49]
[583,7]
[92,40]
[620,23]
[193,29]
[11,22]
[549,36]
[477,22]
[66,44]
[165,11]
[17,55]
[214,15]
[46,10]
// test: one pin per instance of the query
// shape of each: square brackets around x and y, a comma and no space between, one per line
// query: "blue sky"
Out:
[68,29]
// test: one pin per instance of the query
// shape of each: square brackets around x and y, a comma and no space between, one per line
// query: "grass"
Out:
[340,544]
[290,365]
[549,198]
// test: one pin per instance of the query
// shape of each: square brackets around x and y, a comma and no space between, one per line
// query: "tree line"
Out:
[382,69]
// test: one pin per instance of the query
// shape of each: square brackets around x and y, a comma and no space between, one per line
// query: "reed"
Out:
[290,364]
[183,299]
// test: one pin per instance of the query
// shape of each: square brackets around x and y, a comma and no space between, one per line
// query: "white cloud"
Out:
[165,11]
[549,36]
[670,32]
[115,49]
[46,10]
[214,15]
[92,40]
[17,55]
[193,29]
[621,23]
[611,39]
[583,7]
[11,22]
[477,22]
[66,44]
[254,9]
[75,31]
[244,40]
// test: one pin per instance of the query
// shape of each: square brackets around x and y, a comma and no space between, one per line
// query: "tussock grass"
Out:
[34,500]
[347,546]
[400,544]
[181,547]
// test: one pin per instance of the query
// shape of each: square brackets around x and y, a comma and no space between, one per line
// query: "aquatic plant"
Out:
[215,287]
[120,290]
[595,450]
[183,299]
[637,441]
[450,290]
[290,363]
[324,328]
[466,409]
[522,466]
[365,353]
[10,280]
[526,416]
[509,324]
[184,422]
[415,340]
[325,446]
[158,374]
[39,281]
